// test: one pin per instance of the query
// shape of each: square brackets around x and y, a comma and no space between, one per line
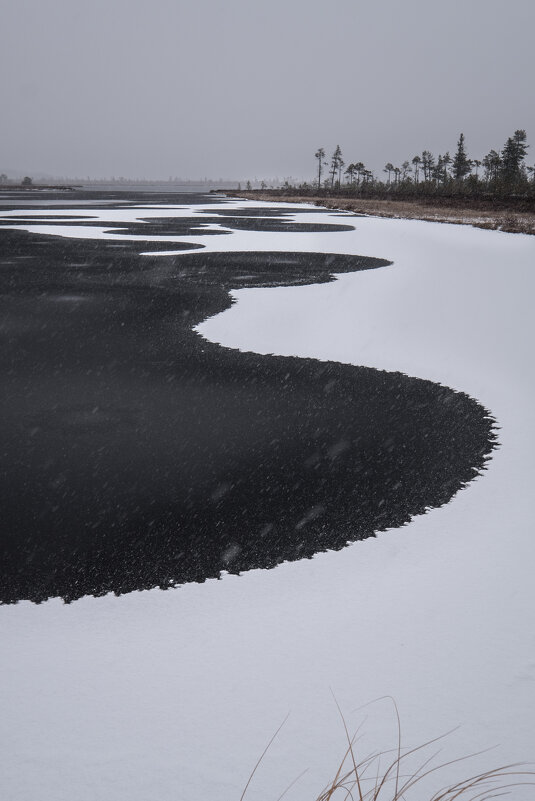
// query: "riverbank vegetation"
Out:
[496,191]
[500,173]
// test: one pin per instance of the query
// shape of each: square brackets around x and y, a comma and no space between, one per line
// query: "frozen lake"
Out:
[142,456]
[125,430]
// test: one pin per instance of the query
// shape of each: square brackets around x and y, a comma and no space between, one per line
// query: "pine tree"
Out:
[350,172]
[428,162]
[341,163]
[438,170]
[513,154]
[336,163]
[360,170]
[492,164]
[416,161]
[461,163]
[446,161]
[320,155]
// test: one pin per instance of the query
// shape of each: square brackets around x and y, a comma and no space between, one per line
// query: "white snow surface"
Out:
[175,694]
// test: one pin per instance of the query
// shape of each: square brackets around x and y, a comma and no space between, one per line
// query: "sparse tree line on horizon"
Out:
[26,181]
[501,172]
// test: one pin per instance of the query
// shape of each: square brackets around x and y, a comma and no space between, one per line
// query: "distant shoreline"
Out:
[32,187]
[478,213]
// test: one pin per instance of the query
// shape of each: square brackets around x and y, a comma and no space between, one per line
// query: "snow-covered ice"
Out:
[175,694]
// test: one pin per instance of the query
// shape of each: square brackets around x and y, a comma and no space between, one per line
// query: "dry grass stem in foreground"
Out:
[392,775]
[393,784]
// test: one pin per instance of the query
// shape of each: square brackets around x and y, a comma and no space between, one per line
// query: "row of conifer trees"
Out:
[502,172]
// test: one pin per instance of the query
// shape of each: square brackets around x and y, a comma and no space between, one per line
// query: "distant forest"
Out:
[502,173]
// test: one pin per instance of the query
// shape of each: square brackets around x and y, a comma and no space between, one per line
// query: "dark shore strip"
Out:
[38,188]
[505,216]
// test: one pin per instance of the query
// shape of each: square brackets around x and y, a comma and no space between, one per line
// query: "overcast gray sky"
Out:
[238,88]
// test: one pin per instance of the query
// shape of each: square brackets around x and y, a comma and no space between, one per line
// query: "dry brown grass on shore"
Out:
[369,780]
[517,222]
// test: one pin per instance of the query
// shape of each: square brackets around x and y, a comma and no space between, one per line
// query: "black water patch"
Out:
[9,222]
[48,218]
[283,226]
[194,225]
[184,226]
[135,454]
[259,211]
[87,248]
[171,228]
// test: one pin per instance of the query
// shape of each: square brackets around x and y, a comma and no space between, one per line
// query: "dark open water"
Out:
[136,455]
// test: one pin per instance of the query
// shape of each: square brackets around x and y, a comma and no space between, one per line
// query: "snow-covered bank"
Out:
[175,694]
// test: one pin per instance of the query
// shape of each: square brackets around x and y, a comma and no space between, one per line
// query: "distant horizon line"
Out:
[17,176]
